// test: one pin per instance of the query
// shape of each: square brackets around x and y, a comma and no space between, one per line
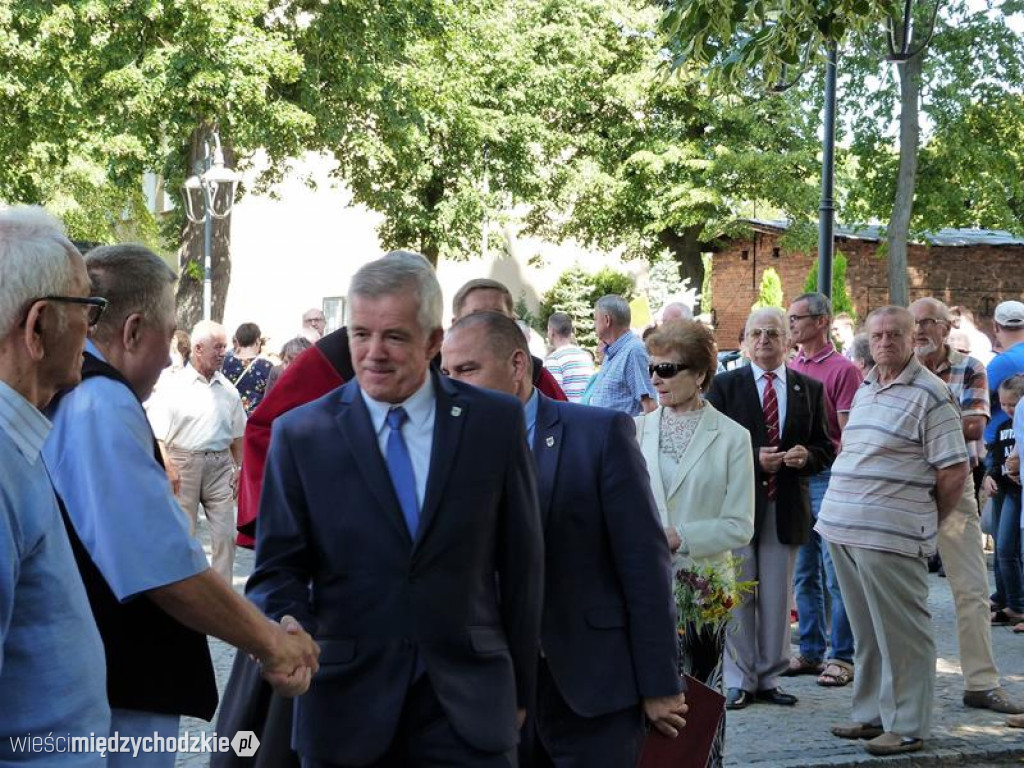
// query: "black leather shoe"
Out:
[737,698]
[776,696]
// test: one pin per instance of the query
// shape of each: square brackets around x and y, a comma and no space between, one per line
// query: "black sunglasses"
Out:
[96,306]
[666,370]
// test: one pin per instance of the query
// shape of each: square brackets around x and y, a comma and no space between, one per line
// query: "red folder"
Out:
[692,747]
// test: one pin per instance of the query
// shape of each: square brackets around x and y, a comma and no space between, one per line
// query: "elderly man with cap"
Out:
[1008,322]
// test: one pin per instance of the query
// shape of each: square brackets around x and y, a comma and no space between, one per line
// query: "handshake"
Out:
[289,660]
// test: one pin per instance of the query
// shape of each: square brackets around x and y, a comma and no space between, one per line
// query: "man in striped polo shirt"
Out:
[571,366]
[900,473]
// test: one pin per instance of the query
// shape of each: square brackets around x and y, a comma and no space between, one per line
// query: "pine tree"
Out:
[841,299]
[770,293]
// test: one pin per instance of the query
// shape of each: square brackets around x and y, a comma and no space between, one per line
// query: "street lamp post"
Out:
[215,175]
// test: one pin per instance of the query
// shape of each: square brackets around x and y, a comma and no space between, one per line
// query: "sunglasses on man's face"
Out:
[666,370]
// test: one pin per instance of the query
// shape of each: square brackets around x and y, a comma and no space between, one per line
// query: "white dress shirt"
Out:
[418,430]
[780,389]
[193,413]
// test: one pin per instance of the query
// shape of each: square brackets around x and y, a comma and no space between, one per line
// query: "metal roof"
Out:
[950,238]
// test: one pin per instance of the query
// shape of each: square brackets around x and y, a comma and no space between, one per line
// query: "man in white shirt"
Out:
[199,422]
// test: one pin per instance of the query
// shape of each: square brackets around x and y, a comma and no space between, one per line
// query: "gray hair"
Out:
[940,309]
[36,260]
[906,319]
[617,308]
[860,349]
[1014,385]
[132,279]
[685,312]
[817,303]
[401,272]
[560,324]
[205,330]
[773,312]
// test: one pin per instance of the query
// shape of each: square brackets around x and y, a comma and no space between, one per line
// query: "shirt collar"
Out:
[217,378]
[418,406]
[780,372]
[908,374]
[93,350]
[619,343]
[23,423]
[826,352]
[530,411]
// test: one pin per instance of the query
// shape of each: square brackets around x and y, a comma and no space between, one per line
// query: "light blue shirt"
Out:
[118,497]
[53,675]
[780,389]
[530,413]
[624,380]
[418,430]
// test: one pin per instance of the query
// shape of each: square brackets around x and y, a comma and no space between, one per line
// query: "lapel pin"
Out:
[796,387]
[550,441]
[456,411]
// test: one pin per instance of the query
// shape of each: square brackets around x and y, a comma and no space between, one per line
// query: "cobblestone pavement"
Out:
[768,736]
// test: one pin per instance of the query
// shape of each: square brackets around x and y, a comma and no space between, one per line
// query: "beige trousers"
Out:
[886,598]
[963,557]
[206,478]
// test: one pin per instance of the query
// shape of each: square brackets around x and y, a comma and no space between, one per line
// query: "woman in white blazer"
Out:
[701,468]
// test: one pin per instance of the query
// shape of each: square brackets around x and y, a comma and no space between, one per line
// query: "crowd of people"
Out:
[466,554]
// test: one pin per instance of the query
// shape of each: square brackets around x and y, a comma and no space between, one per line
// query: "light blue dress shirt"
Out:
[780,389]
[530,413]
[53,674]
[100,457]
[418,429]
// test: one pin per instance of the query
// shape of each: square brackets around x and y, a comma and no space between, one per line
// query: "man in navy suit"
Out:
[399,524]
[784,411]
[608,639]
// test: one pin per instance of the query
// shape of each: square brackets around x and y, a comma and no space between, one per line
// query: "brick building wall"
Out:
[977,276]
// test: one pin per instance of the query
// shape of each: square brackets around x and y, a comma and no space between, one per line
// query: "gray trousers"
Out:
[757,642]
[886,598]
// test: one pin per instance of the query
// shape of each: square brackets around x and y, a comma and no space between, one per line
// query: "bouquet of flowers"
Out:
[705,597]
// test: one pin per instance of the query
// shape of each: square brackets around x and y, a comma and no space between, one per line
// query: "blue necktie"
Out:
[400,468]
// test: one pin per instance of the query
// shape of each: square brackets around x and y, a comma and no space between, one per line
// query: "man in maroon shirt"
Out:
[810,320]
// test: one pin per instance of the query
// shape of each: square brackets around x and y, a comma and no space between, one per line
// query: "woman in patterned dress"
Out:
[245,368]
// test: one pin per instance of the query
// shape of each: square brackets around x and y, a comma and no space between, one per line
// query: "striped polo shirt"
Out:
[881,495]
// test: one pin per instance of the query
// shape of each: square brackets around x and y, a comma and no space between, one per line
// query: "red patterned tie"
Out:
[770,404]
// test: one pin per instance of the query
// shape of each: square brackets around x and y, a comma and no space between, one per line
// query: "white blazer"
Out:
[711,496]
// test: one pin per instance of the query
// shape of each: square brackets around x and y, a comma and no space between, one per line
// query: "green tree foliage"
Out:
[576,292]
[664,283]
[841,299]
[770,292]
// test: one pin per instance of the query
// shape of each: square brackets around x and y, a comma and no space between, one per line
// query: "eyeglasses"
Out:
[771,333]
[666,370]
[95,304]
[795,318]
[926,323]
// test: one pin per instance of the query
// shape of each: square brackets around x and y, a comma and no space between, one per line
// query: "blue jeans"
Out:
[1006,565]
[811,560]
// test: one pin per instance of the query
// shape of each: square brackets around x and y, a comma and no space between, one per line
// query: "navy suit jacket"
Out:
[609,631]
[735,394]
[333,550]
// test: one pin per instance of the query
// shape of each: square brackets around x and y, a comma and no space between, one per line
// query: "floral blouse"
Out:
[249,378]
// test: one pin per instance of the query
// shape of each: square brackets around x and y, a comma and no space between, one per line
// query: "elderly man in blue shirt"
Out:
[151,588]
[52,677]
[623,383]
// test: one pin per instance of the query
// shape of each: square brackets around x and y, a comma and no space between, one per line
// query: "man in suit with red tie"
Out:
[399,524]
[784,412]
[608,639]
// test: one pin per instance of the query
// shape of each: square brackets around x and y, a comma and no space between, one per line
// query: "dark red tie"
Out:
[770,404]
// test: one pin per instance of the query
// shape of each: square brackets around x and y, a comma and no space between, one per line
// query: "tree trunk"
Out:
[190,255]
[903,205]
[685,248]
